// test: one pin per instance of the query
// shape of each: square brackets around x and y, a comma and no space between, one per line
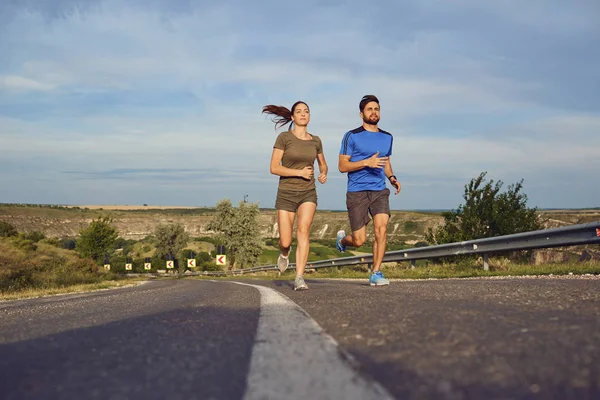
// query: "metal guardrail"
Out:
[572,235]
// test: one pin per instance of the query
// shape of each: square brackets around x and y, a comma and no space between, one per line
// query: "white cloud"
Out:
[14,83]
[95,87]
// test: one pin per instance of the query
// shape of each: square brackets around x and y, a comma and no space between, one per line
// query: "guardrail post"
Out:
[486,265]
[413,264]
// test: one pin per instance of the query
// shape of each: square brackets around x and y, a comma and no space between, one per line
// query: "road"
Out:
[525,338]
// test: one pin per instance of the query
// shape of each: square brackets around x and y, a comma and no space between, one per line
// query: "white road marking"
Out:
[293,357]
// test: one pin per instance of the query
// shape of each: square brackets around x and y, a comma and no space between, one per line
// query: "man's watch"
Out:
[392,176]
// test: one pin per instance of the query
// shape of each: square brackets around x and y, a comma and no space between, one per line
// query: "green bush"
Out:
[487,212]
[19,278]
[410,226]
[7,230]
[48,273]
[208,239]
[98,239]
[203,256]
[34,236]
[67,243]
[51,241]
[211,266]
[24,244]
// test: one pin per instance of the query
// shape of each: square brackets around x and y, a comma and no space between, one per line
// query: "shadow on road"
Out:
[191,353]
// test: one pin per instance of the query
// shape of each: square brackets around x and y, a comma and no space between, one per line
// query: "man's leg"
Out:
[358,214]
[357,238]
[380,222]
[380,209]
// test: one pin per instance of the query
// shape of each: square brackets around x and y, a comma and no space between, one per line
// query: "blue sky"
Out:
[159,101]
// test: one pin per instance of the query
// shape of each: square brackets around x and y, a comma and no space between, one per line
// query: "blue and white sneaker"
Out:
[377,279]
[338,243]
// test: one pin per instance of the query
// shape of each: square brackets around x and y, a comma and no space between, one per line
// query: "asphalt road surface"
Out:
[526,338]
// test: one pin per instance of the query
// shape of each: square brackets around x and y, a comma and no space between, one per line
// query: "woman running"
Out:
[294,154]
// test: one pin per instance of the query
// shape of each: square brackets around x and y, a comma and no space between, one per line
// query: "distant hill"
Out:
[136,222]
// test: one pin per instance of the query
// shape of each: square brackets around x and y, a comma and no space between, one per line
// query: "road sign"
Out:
[147,266]
[221,259]
[191,262]
[170,264]
[128,266]
[107,267]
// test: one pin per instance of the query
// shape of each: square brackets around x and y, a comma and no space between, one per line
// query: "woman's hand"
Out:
[322,178]
[307,173]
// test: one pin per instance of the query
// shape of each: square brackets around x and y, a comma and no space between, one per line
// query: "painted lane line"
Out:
[293,357]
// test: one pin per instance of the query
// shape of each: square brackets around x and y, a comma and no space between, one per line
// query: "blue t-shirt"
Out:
[361,144]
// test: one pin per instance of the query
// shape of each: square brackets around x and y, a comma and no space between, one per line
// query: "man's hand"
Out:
[376,162]
[307,173]
[396,184]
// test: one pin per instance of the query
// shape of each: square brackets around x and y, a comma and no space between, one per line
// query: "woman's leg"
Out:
[285,223]
[306,213]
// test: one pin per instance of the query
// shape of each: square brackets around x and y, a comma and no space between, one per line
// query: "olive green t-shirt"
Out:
[297,154]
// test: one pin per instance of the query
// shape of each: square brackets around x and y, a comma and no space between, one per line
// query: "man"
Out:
[365,156]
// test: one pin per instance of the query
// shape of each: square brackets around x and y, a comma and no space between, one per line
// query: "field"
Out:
[123,207]
[137,222]
[39,259]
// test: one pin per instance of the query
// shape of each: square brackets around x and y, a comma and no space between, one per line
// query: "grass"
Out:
[30,268]
[357,272]
[89,287]
[436,271]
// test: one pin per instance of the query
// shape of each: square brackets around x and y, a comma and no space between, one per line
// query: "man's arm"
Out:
[345,165]
[389,173]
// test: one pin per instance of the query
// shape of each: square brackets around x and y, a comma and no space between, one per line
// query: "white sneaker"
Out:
[283,262]
[299,283]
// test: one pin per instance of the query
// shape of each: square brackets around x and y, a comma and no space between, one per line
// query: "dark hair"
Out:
[281,115]
[366,100]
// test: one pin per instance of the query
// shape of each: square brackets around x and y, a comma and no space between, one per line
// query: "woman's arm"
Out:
[278,169]
[323,168]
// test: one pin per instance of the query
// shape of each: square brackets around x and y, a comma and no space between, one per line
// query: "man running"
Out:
[365,156]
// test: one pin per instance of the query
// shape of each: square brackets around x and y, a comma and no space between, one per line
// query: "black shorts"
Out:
[290,200]
[361,204]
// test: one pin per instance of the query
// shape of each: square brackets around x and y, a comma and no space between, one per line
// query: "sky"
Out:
[159,101]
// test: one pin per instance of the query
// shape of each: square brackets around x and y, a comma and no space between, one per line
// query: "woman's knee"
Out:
[302,234]
[285,243]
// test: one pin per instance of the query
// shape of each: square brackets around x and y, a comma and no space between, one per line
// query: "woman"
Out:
[294,154]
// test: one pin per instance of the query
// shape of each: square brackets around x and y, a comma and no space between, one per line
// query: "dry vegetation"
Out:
[38,268]
[123,207]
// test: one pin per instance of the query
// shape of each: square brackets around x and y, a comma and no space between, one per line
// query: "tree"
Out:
[486,213]
[98,239]
[249,244]
[223,223]
[170,239]
[239,231]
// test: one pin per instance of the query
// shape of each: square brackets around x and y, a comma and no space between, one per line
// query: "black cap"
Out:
[366,100]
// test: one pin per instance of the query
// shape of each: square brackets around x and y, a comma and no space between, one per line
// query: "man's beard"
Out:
[371,120]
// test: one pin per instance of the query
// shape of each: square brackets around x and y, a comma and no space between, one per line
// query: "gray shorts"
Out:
[290,200]
[361,204]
